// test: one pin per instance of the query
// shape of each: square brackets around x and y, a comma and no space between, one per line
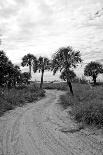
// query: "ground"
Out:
[44,128]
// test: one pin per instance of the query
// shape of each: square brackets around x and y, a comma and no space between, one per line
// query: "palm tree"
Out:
[65,59]
[43,64]
[28,60]
[93,69]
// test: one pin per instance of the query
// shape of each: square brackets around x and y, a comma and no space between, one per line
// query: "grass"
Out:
[86,105]
[9,99]
[58,85]
[19,96]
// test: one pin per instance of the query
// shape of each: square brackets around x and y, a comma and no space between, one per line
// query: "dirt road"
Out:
[43,128]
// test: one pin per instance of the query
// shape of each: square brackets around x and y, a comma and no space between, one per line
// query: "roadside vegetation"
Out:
[19,96]
[86,106]
[15,86]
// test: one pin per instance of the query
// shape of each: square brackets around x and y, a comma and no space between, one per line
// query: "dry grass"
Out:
[11,98]
[58,86]
[87,104]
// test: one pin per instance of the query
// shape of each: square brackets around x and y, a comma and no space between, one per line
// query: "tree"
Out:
[3,57]
[93,69]
[65,59]
[9,73]
[25,77]
[28,60]
[42,64]
[71,75]
[12,75]
[16,73]
[9,78]
[3,67]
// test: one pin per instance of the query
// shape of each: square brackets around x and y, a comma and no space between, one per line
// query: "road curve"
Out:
[40,129]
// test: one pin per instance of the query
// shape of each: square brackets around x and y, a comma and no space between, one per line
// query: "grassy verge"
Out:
[86,105]
[9,99]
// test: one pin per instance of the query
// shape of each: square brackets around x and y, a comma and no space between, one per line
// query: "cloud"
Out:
[41,27]
[10,8]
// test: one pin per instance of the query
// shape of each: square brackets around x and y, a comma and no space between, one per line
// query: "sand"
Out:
[44,128]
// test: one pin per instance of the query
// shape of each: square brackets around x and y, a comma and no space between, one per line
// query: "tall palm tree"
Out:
[43,64]
[28,60]
[65,59]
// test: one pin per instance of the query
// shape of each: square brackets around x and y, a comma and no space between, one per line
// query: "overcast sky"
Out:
[42,26]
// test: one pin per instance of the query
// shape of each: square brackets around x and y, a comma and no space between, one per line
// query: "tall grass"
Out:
[11,98]
[86,105]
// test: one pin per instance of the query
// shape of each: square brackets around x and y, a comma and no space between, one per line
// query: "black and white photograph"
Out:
[51,77]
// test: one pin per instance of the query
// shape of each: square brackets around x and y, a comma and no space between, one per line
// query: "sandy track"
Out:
[36,130]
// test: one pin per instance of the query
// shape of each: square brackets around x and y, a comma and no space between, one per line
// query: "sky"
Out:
[41,27]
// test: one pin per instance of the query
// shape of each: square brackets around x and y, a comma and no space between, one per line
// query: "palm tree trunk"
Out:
[70,86]
[14,82]
[41,84]
[30,70]
[94,79]
[69,82]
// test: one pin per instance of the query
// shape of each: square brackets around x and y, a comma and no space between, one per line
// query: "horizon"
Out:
[48,75]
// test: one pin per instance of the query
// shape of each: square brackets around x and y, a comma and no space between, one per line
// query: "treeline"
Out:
[63,60]
[10,74]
